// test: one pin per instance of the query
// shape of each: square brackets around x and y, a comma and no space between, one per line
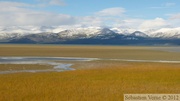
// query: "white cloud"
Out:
[107,17]
[21,14]
[90,21]
[12,6]
[13,13]
[174,19]
[153,24]
[116,11]
[164,5]
[169,4]
[57,2]
[53,2]
[175,16]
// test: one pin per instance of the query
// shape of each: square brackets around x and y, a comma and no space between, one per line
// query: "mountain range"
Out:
[89,35]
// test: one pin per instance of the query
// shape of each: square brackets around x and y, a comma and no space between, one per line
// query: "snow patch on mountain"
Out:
[139,34]
[84,32]
[123,31]
[166,33]
[90,31]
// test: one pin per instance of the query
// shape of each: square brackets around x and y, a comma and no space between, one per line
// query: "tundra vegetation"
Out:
[98,80]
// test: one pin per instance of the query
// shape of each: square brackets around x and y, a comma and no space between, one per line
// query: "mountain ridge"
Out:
[88,35]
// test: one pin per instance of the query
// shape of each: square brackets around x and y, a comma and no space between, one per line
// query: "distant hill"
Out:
[89,35]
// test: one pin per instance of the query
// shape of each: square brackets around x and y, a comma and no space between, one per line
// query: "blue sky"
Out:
[135,8]
[137,14]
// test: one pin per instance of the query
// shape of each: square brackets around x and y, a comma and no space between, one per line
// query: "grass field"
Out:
[122,52]
[5,67]
[102,80]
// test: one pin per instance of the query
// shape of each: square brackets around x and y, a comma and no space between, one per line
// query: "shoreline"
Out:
[63,63]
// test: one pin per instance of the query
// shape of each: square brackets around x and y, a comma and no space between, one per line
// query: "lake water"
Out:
[58,66]
[168,49]
[54,61]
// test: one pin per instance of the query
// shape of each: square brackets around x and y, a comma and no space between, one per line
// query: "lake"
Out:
[53,61]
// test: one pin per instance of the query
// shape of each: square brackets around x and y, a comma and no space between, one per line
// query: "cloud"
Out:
[90,21]
[175,16]
[17,14]
[164,5]
[153,24]
[174,19]
[116,11]
[131,23]
[53,2]
[57,2]
[169,4]
[23,14]
[106,17]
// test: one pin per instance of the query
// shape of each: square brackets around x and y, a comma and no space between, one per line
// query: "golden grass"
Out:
[107,81]
[94,80]
[121,52]
[8,67]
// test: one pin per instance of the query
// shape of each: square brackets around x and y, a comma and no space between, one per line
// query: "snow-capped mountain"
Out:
[61,34]
[80,31]
[139,33]
[88,31]
[166,33]
[7,33]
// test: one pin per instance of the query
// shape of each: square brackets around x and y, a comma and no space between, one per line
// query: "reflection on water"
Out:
[54,61]
[168,49]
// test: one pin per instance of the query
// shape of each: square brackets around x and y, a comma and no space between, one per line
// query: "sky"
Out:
[135,14]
